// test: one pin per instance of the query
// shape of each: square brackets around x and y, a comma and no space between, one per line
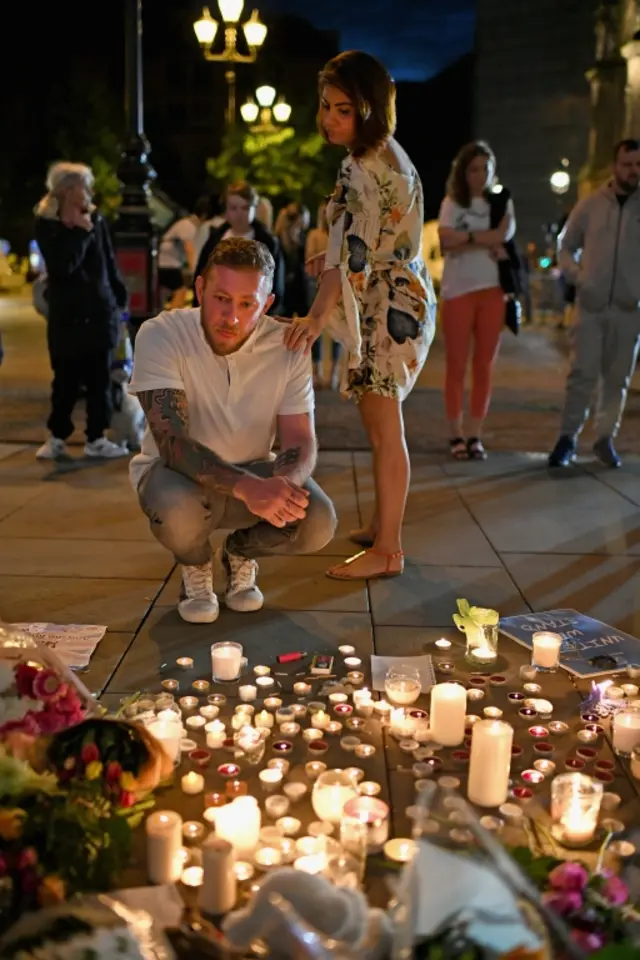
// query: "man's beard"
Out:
[624,186]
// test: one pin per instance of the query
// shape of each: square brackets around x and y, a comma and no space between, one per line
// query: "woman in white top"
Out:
[473,303]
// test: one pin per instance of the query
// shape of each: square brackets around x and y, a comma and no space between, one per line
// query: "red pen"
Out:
[291,657]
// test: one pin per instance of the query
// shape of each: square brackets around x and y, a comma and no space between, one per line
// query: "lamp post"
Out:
[134,238]
[255,32]
[267,109]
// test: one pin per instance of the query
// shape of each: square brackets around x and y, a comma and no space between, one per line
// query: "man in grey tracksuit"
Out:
[599,251]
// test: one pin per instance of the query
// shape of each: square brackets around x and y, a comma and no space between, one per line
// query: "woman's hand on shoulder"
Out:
[302,333]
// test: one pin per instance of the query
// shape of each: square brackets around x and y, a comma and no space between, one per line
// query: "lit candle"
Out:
[220,879]
[266,857]
[243,871]
[247,692]
[314,768]
[402,690]
[192,783]
[272,703]
[209,711]
[400,850]
[270,778]
[443,644]
[265,683]
[402,724]
[291,729]
[168,733]
[490,763]
[215,731]
[545,653]
[164,844]
[302,689]
[320,719]
[276,806]
[448,709]
[264,719]
[239,823]
[375,815]
[313,863]
[192,876]
[261,670]
[338,697]
[185,663]
[383,710]
[226,659]
[188,703]
[626,731]
[193,831]
[330,794]
[196,723]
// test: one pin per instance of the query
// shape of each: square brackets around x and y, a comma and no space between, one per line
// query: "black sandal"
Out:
[458,449]
[475,449]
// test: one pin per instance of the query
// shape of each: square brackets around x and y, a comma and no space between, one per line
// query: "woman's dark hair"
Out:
[457,186]
[371,89]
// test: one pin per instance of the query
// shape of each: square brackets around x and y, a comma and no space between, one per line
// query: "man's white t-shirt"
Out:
[233,401]
[172,255]
[471,268]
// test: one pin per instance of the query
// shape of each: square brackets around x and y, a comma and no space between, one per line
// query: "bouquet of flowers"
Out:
[68,804]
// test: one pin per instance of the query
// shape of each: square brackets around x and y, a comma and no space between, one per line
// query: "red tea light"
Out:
[588,754]
[590,718]
[515,697]
[478,681]
[533,778]
[343,709]
[419,714]
[318,747]
[603,776]
[607,766]
[434,762]
[284,746]
[538,732]
[200,757]
[461,757]
[543,748]
[575,764]
[522,793]
[496,680]
[527,713]
[229,770]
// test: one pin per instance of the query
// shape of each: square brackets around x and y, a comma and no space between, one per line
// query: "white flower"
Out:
[7,676]
[13,708]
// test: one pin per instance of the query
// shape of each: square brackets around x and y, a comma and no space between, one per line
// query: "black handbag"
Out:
[509,270]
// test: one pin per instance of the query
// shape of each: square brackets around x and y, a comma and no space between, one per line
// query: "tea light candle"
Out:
[630,689]
[288,826]
[346,650]
[215,732]
[490,763]
[260,670]
[333,728]
[314,768]
[272,703]
[192,831]
[626,731]
[402,724]
[318,747]
[188,703]
[170,684]
[545,653]
[279,763]
[163,830]
[294,791]
[302,689]
[400,850]
[192,876]
[276,806]
[209,711]
[200,757]
[320,719]
[352,662]
[185,663]
[311,734]
[282,746]
[349,743]
[338,698]
[313,863]
[492,713]
[383,711]
[229,770]
[369,788]
[265,683]
[364,751]
[284,714]
[267,857]
[355,677]
[343,709]
[196,723]
[614,693]
[448,709]
[201,685]
[290,729]
[443,644]
[247,692]
[264,719]
[299,710]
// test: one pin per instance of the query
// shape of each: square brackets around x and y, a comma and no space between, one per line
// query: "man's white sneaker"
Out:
[200,604]
[52,449]
[242,593]
[104,449]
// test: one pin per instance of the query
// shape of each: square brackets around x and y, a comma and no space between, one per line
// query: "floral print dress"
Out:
[386,316]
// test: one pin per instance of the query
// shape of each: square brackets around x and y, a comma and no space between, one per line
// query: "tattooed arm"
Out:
[276,500]
[299,449]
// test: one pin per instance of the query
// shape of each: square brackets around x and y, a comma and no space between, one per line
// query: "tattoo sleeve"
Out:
[167,414]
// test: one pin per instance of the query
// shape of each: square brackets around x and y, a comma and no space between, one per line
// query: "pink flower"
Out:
[25,675]
[615,891]
[588,941]
[50,721]
[27,858]
[28,724]
[569,876]
[46,685]
[563,901]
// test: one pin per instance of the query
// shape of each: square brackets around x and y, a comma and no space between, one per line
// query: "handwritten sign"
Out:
[74,643]
[590,648]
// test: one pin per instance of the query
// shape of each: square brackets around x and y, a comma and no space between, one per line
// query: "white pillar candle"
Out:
[219,889]
[490,762]
[239,823]
[626,731]
[216,732]
[168,733]
[164,843]
[448,709]
[192,783]
[247,692]
[546,649]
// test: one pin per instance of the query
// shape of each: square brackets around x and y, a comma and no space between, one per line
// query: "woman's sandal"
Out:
[458,449]
[363,537]
[475,449]
[394,567]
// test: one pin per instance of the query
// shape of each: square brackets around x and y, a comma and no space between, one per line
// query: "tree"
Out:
[282,164]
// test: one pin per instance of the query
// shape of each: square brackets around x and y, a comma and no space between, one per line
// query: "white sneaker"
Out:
[242,594]
[200,604]
[104,449]
[52,449]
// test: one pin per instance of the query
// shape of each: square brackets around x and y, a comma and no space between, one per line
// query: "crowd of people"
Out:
[220,379]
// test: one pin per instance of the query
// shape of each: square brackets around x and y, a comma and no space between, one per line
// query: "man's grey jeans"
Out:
[183,515]
[605,349]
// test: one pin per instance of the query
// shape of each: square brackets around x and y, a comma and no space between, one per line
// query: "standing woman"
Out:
[375,294]
[473,303]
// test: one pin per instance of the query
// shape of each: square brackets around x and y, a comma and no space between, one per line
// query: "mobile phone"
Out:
[321,665]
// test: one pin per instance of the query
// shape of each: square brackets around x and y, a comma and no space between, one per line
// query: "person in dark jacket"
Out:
[85,295]
[240,221]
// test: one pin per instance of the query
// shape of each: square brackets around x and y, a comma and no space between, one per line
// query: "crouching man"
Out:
[216,382]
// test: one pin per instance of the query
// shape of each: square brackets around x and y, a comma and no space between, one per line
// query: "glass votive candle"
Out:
[279,763]
[302,689]
[188,703]
[284,715]
[200,757]
[343,709]
[625,728]
[402,685]
[314,768]
[277,806]
[545,652]
[383,710]
[575,807]
[492,713]
[545,767]
[290,729]
[299,710]
[272,703]
[270,779]
[209,711]
[247,692]
[229,771]
[355,677]
[215,732]
[319,719]
[282,747]
[192,876]
[185,663]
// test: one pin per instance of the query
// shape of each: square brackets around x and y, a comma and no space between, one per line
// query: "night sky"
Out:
[415,38]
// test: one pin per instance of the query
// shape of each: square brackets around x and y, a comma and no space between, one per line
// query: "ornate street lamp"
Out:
[267,109]
[206,29]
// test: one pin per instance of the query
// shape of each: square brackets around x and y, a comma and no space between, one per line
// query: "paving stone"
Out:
[120,605]
[105,660]
[50,557]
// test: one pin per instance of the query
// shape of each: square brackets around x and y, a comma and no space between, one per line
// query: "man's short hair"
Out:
[240,254]
[244,190]
[625,146]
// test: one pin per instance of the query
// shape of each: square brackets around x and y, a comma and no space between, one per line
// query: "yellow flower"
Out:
[128,781]
[93,770]
[11,824]
[51,891]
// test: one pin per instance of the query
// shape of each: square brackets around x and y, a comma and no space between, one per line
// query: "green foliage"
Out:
[536,868]
[283,163]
